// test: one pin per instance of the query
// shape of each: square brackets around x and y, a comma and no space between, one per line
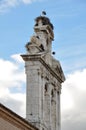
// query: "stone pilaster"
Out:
[58,112]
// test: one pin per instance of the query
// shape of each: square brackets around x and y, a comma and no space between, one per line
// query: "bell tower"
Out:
[44,76]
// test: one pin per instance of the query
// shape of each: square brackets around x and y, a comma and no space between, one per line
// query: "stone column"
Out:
[58,127]
[48,106]
[42,99]
[53,109]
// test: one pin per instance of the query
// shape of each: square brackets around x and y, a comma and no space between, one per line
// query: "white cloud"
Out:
[27,1]
[14,101]
[17,58]
[5,5]
[10,74]
[73,104]
[12,79]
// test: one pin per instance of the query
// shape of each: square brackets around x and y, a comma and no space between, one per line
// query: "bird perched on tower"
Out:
[43,13]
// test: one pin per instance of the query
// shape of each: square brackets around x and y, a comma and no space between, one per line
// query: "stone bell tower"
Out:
[44,76]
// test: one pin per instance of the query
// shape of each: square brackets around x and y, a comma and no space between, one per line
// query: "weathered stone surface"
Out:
[44,77]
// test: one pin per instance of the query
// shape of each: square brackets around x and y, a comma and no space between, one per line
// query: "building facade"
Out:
[44,76]
[9,120]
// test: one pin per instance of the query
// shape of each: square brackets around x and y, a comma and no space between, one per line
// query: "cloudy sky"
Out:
[16,27]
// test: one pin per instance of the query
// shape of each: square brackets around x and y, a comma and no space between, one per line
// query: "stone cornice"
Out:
[38,57]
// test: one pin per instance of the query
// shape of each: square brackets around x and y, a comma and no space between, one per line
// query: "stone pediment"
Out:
[56,66]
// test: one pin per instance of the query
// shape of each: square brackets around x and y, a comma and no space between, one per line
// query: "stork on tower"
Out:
[43,13]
